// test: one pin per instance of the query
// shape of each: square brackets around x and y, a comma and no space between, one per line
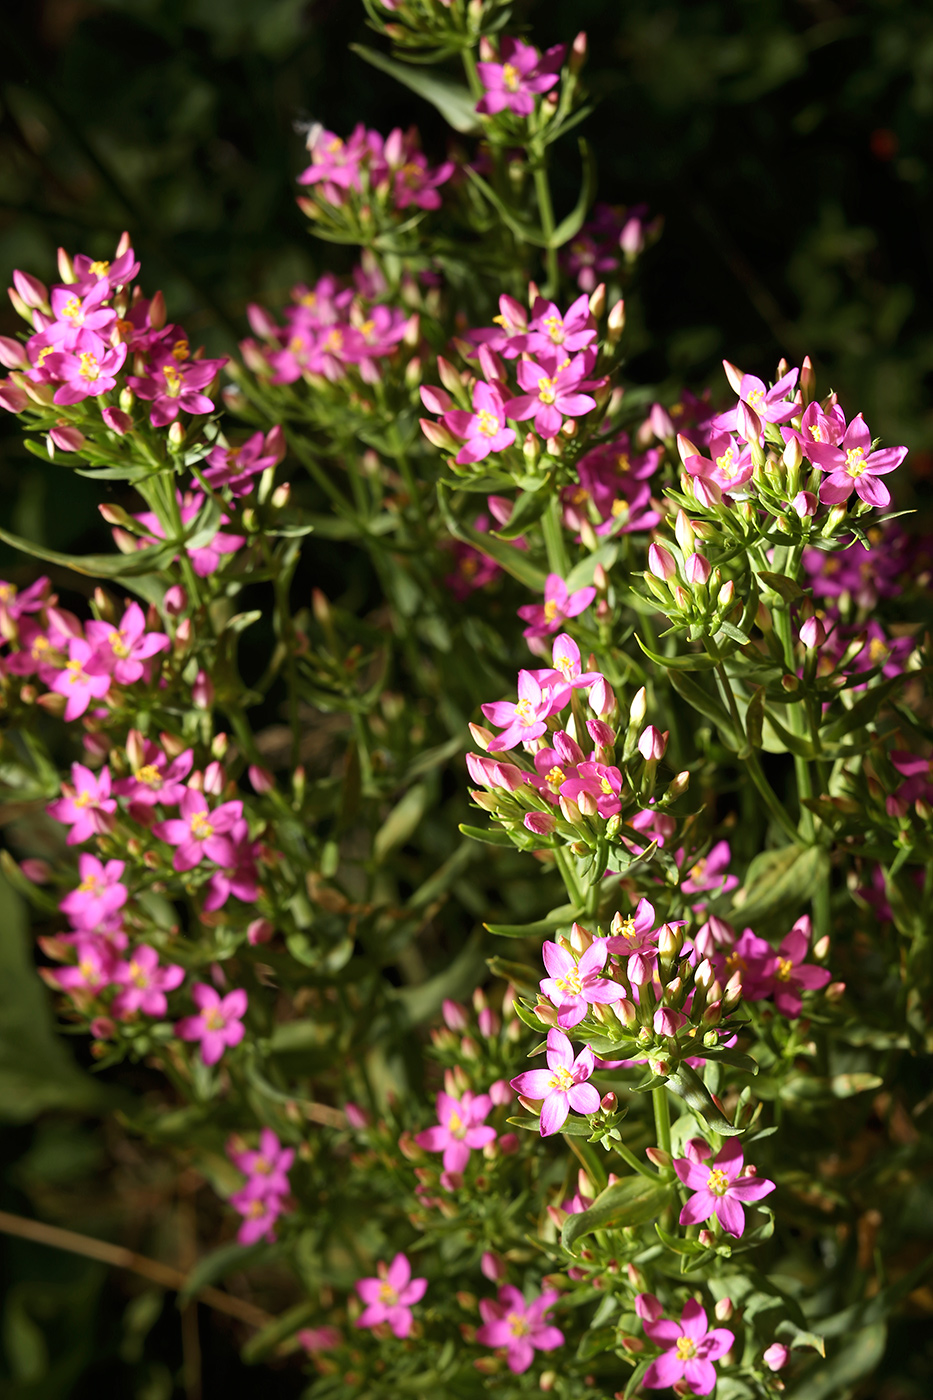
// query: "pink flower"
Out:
[335,164]
[84,677]
[219,1023]
[145,982]
[315,1339]
[391,1296]
[85,805]
[519,78]
[549,331]
[753,959]
[771,405]
[853,464]
[462,1128]
[413,182]
[126,647]
[636,937]
[526,719]
[776,1356]
[692,1349]
[720,1189]
[173,382]
[565,657]
[75,313]
[99,894]
[552,391]
[200,832]
[266,1167]
[710,871]
[90,368]
[259,1216]
[573,986]
[205,559]
[153,779]
[91,973]
[518,1326]
[236,466]
[14,602]
[562,1086]
[558,606]
[788,973]
[728,465]
[485,429]
[599,785]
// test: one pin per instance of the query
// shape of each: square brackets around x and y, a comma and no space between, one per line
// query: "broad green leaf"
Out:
[781,879]
[780,584]
[97,565]
[754,717]
[631,1201]
[454,101]
[401,823]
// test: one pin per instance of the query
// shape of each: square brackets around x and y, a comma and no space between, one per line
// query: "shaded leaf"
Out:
[454,101]
[631,1201]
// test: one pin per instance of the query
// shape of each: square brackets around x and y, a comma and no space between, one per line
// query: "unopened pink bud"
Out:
[648,1307]
[67,439]
[492,1267]
[540,823]
[804,503]
[202,692]
[12,354]
[12,398]
[707,492]
[437,435]
[356,1116]
[807,379]
[661,562]
[724,1310]
[661,423]
[812,633]
[632,242]
[616,322]
[609,1102]
[489,1023]
[658,1156]
[501,1091]
[586,803]
[697,569]
[116,420]
[259,931]
[749,424]
[776,1356]
[435,400]
[455,1016]
[835,991]
[32,292]
[707,1238]
[652,744]
[734,376]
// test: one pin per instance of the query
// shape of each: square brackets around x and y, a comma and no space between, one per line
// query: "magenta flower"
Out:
[519,78]
[790,975]
[413,182]
[550,332]
[236,466]
[573,986]
[85,805]
[771,405]
[335,164]
[173,383]
[635,937]
[88,369]
[485,429]
[562,1086]
[391,1296]
[92,971]
[126,647]
[817,425]
[14,602]
[266,1167]
[753,959]
[205,559]
[729,466]
[710,872]
[720,1190]
[552,392]
[74,314]
[145,983]
[200,832]
[99,894]
[219,1022]
[554,766]
[153,779]
[84,677]
[565,658]
[462,1128]
[259,1216]
[599,784]
[92,272]
[527,718]
[692,1348]
[853,464]
[518,1326]
[558,606]
[315,1339]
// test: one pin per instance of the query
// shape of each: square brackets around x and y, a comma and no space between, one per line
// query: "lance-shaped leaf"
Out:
[514,561]
[454,102]
[564,915]
[529,507]
[687,1085]
[690,661]
[144,561]
[780,879]
[570,226]
[573,1127]
[710,706]
[631,1201]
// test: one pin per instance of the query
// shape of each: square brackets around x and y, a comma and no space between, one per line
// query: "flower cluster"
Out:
[610,238]
[391,171]
[263,1197]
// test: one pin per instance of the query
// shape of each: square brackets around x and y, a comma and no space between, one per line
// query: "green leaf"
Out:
[691,661]
[581,575]
[218,1264]
[846,1086]
[687,1085]
[570,226]
[574,1127]
[636,1378]
[514,561]
[454,102]
[856,1359]
[780,879]
[863,711]
[97,565]
[785,587]
[401,823]
[529,507]
[793,743]
[754,717]
[491,835]
[710,706]
[285,1325]
[800,1337]
[631,1201]
[527,232]
[557,918]
[453,983]
[36,1069]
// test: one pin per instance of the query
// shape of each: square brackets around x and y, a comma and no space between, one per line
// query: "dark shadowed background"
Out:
[786,144]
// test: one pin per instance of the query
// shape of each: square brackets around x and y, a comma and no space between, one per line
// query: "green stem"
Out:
[546,210]
[662,1117]
[553,532]
[753,767]
[569,876]
[629,1157]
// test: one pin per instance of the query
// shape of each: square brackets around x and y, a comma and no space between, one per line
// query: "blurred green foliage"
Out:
[786,144]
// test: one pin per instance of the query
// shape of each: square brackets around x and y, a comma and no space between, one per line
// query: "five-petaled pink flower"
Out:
[153,779]
[391,1296]
[573,986]
[236,466]
[520,1327]
[559,605]
[519,78]
[788,975]
[552,392]
[462,1128]
[200,832]
[84,677]
[88,369]
[125,647]
[145,983]
[219,1022]
[85,805]
[729,465]
[636,937]
[485,429]
[99,895]
[527,718]
[691,1346]
[562,1086]
[720,1188]
[599,785]
[174,383]
[853,464]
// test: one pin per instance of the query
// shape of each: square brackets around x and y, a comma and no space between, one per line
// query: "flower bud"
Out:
[749,424]
[821,948]
[661,562]
[616,323]
[697,569]
[734,376]
[439,436]
[586,802]
[639,707]
[435,400]
[683,529]
[202,692]
[661,423]
[658,1156]
[812,633]
[804,504]
[792,455]
[807,379]
[176,435]
[707,493]
[12,354]
[67,439]
[678,786]
[31,291]
[724,1310]
[834,992]
[733,992]
[652,744]
[776,1356]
